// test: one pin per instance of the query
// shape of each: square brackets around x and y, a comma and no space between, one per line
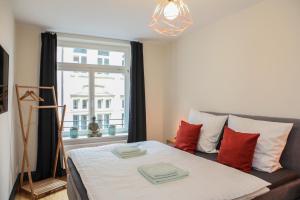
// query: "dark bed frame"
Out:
[290,160]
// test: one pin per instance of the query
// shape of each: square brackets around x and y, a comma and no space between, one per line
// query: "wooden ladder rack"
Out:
[40,188]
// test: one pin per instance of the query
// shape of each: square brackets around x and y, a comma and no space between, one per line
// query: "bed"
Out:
[91,179]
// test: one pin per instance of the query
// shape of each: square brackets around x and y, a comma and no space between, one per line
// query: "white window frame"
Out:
[105,45]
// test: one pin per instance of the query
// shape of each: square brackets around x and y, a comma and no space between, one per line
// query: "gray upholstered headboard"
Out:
[290,158]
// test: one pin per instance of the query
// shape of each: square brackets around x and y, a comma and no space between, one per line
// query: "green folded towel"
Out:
[128,151]
[160,170]
[160,178]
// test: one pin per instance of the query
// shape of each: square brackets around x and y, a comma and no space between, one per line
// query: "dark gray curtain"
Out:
[47,126]
[137,109]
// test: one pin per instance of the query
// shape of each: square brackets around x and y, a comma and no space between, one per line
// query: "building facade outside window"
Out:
[93,81]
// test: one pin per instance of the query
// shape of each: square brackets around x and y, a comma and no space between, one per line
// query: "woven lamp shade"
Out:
[171,25]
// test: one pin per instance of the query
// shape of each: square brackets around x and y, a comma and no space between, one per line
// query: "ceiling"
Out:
[120,19]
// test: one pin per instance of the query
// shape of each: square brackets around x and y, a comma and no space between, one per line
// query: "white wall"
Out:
[8,151]
[247,63]
[28,47]
[156,61]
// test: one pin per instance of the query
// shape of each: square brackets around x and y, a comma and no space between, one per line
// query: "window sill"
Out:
[90,140]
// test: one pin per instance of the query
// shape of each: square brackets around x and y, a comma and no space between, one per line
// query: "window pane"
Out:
[76,121]
[106,120]
[106,61]
[103,53]
[84,122]
[75,103]
[100,61]
[109,99]
[100,103]
[76,59]
[107,103]
[83,60]
[79,50]
[84,104]
[100,120]
[90,56]
[73,90]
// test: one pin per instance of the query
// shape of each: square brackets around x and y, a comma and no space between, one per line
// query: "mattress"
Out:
[277,178]
[106,177]
[76,182]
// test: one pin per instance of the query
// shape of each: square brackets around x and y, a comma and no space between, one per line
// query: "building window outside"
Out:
[106,61]
[103,85]
[83,60]
[80,50]
[84,104]
[75,103]
[106,120]
[83,122]
[103,53]
[104,57]
[100,101]
[100,61]
[76,121]
[100,120]
[76,59]
[107,103]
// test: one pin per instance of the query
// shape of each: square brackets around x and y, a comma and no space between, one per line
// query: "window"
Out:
[106,61]
[75,103]
[107,103]
[76,59]
[76,121]
[83,60]
[117,57]
[100,120]
[106,120]
[103,53]
[84,104]
[100,101]
[100,61]
[83,122]
[79,50]
[92,80]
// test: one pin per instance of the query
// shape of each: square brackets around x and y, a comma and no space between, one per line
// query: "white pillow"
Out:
[210,131]
[270,144]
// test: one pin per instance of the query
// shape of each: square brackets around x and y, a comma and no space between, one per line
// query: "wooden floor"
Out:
[60,195]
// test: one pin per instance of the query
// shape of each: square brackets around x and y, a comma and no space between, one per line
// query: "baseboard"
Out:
[15,188]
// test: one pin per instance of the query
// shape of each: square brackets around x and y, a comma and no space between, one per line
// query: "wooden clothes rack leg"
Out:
[44,187]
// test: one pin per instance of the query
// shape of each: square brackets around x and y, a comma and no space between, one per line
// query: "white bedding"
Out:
[107,177]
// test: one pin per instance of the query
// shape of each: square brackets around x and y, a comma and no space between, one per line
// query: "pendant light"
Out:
[171,17]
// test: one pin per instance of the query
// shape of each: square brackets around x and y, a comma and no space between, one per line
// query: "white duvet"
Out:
[107,177]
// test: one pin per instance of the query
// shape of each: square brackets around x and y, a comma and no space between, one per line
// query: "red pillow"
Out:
[237,149]
[187,137]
